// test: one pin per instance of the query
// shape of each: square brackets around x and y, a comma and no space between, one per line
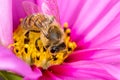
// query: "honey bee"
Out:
[44,20]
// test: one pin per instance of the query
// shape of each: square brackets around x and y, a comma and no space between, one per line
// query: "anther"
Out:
[65,25]
[21,19]
[68,31]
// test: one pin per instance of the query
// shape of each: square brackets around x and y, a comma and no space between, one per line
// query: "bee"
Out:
[44,20]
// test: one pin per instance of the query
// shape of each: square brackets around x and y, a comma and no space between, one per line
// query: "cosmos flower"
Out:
[94,27]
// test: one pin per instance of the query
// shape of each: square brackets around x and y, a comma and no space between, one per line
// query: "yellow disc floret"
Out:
[29,47]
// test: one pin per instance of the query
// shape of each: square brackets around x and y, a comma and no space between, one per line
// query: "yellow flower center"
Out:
[32,50]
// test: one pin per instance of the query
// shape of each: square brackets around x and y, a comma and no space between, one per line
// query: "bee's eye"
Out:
[54,33]
[54,49]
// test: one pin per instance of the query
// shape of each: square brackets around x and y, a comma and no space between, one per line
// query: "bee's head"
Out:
[57,48]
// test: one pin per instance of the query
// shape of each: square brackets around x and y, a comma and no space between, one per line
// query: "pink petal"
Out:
[95,26]
[48,75]
[110,56]
[112,43]
[9,62]
[92,68]
[113,70]
[67,9]
[80,70]
[6,22]
[64,71]
[111,29]
[18,11]
[88,15]
[82,55]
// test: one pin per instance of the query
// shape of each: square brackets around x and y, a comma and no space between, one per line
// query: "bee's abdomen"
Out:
[32,20]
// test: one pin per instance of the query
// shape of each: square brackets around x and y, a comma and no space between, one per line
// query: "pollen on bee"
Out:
[33,52]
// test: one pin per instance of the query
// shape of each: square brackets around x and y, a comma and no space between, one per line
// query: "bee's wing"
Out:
[47,7]
[30,7]
[50,7]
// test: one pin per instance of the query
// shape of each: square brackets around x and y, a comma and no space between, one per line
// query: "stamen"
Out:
[65,25]
[29,47]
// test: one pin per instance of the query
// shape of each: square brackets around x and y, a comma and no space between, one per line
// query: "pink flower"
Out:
[95,29]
